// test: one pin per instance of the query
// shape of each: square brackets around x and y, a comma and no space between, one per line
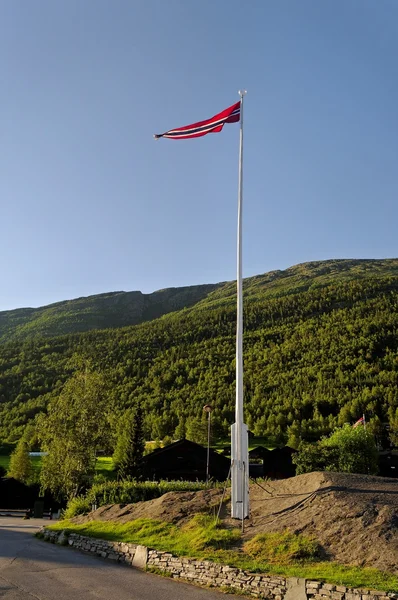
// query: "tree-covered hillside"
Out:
[320,348]
[103,311]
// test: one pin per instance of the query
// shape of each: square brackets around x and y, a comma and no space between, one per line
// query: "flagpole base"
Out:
[239,474]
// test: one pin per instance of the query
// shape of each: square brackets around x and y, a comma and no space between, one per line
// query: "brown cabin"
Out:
[185,460]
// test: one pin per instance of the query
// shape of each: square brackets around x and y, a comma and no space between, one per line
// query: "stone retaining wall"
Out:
[211,574]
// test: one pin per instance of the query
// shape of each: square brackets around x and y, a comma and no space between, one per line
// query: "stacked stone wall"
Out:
[207,573]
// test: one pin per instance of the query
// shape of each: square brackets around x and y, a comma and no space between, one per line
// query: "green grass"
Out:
[4,462]
[330,572]
[104,465]
[201,533]
[283,548]
[36,462]
[203,538]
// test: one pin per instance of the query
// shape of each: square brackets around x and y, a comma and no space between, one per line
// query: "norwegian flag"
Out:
[360,421]
[213,125]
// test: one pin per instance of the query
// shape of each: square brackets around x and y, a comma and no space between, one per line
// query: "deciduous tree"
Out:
[71,432]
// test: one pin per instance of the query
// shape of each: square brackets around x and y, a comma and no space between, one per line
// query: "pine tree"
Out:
[130,444]
[20,464]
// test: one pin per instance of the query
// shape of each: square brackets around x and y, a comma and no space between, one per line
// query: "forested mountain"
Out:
[320,348]
[115,309]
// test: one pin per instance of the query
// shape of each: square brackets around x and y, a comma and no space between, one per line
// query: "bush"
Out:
[77,506]
[355,448]
[127,492]
[347,450]
[315,457]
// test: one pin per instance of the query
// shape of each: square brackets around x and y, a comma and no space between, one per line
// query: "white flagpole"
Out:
[239,439]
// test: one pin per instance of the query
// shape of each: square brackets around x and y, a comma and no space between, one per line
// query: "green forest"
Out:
[320,349]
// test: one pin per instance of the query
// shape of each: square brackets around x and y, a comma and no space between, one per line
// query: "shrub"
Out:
[347,450]
[356,450]
[315,457]
[77,506]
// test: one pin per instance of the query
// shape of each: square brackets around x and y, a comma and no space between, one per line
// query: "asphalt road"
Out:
[31,569]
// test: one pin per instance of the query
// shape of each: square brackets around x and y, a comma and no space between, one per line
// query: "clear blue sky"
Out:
[90,203]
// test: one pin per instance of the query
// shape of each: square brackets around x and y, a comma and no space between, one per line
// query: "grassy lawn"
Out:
[4,461]
[104,465]
[200,533]
[202,538]
[36,462]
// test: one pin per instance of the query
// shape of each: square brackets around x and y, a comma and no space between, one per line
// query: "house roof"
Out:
[183,443]
[258,451]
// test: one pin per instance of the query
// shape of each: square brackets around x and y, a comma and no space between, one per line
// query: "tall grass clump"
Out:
[204,532]
[283,548]
[77,506]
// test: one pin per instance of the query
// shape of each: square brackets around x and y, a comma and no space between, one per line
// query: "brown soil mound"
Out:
[354,517]
[174,507]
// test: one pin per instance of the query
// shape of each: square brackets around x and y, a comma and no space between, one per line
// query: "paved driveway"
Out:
[31,569]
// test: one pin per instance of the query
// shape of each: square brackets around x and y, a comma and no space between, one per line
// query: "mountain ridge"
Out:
[111,310]
[98,311]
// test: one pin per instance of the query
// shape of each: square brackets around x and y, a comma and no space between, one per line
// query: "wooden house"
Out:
[184,460]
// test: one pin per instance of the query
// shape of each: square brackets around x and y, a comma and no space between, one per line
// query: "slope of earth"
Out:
[354,517]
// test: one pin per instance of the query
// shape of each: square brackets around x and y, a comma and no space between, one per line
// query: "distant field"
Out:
[104,467]
[104,464]
[36,461]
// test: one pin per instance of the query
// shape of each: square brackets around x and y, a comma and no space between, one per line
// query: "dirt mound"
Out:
[354,517]
[174,507]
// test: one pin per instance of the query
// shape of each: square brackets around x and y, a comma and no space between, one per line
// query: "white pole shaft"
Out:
[239,311]
[239,442]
